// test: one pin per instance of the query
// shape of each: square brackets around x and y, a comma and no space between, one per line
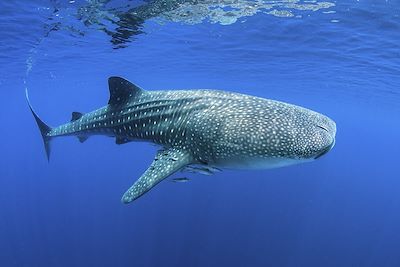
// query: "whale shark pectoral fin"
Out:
[165,164]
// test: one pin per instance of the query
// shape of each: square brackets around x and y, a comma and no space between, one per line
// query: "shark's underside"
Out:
[207,128]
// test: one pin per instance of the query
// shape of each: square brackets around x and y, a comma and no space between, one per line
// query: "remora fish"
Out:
[181,180]
[212,128]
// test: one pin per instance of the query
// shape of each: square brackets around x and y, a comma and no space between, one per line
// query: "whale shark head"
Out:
[313,135]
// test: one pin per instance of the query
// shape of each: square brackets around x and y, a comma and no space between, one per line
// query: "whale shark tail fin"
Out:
[43,127]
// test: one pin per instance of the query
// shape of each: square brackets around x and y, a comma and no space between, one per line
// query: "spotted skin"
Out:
[166,162]
[203,127]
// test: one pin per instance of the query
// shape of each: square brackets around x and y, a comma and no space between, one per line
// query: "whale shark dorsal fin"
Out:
[76,116]
[166,163]
[121,91]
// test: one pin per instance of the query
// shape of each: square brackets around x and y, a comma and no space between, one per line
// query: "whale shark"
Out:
[202,129]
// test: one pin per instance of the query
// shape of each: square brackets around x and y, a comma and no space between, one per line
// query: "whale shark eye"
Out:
[323,128]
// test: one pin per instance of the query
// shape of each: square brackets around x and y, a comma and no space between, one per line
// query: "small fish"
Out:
[201,170]
[180,180]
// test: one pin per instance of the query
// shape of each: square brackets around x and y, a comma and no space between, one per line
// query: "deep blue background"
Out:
[342,210]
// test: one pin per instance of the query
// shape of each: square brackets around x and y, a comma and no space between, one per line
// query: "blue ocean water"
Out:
[340,58]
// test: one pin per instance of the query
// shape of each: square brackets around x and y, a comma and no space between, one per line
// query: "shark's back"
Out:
[218,126]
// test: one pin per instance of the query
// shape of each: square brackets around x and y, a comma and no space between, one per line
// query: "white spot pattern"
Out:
[214,127]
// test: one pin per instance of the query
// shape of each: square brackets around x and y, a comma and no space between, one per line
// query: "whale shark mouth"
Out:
[325,150]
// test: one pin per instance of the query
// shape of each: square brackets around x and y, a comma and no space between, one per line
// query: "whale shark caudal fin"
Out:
[43,127]
[166,163]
